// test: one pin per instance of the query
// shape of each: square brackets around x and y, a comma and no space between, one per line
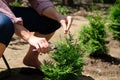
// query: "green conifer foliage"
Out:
[92,37]
[115,18]
[69,62]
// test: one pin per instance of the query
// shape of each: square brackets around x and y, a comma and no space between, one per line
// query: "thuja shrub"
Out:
[92,37]
[114,16]
[69,62]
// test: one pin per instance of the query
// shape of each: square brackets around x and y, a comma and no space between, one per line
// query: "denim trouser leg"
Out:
[6,29]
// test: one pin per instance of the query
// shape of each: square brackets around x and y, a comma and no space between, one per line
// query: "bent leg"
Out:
[36,23]
[2,49]
[6,32]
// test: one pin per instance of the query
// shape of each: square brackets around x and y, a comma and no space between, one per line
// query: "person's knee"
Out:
[6,23]
[6,29]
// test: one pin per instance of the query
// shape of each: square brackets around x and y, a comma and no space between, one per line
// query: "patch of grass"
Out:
[62,9]
[16,4]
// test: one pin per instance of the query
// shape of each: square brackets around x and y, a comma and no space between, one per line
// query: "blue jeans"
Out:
[6,29]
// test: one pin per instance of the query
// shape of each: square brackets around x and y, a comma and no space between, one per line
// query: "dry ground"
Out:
[105,68]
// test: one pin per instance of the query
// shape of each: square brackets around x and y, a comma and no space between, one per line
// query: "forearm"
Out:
[65,21]
[51,12]
[22,32]
[40,44]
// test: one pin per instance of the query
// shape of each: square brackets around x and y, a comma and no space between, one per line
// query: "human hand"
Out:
[66,23]
[40,44]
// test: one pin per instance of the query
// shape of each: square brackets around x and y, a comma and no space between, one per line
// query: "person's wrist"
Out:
[28,37]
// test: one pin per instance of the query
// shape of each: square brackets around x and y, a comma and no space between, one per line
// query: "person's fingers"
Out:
[38,49]
[63,23]
[44,46]
[69,22]
[66,23]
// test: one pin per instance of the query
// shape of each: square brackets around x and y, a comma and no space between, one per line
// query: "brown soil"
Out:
[104,68]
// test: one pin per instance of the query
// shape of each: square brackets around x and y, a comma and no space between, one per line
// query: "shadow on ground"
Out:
[106,58]
[21,74]
[28,74]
